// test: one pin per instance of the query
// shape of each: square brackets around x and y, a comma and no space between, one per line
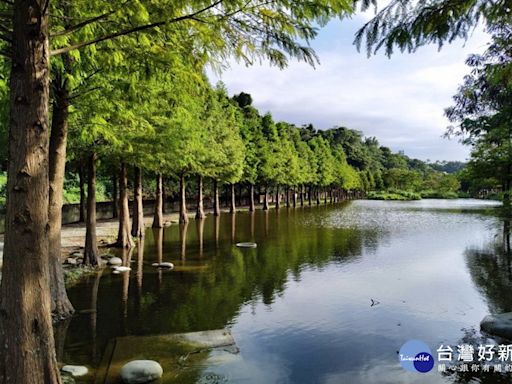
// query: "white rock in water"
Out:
[246,245]
[71,261]
[115,261]
[163,265]
[122,269]
[498,325]
[75,370]
[116,272]
[141,371]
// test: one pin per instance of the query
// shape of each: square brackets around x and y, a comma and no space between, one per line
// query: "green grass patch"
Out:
[393,195]
[430,194]
[74,275]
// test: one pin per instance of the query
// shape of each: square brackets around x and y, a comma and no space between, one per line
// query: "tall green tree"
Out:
[482,113]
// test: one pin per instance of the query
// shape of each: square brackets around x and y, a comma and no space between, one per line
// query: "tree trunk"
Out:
[27,352]
[325,196]
[158,221]
[251,197]
[301,195]
[278,202]
[200,209]
[265,200]
[183,201]
[317,196]
[309,195]
[61,306]
[287,197]
[81,176]
[240,193]
[91,254]
[294,198]
[164,197]
[124,238]
[138,208]
[115,200]
[216,206]
[232,207]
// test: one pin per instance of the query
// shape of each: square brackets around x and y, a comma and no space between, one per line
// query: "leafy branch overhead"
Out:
[407,24]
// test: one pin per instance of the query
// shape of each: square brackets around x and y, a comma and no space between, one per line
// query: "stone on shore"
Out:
[115,261]
[164,265]
[246,245]
[75,370]
[141,371]
[498,325]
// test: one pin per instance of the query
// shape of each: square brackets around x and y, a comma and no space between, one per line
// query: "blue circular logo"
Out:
[415,356]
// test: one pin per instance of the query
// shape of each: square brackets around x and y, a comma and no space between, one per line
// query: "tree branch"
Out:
[82,24]
[140,28]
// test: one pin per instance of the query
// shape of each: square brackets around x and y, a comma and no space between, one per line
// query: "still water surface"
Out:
[329,296]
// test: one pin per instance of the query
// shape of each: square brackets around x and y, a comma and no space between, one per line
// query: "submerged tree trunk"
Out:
[200,209]
[61,306]
[216,206]
[115,200]
[138,208]
[91,254]
[265,200]
[81,176]
[124,238]
[278,198]
[251,197]
[183,200]
[27,352]
[232,206]
[158,221]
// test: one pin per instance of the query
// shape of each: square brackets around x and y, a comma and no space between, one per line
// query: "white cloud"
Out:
[400,100]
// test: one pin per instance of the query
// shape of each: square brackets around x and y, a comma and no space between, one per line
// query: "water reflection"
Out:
[200,235]
[299,305]
[491,271]
[183,240]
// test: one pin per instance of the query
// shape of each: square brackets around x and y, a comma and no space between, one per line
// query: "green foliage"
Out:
[482,113]
[3,188]
[407,24]
[402,179]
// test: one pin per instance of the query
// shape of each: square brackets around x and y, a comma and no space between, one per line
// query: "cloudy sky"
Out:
[399,100]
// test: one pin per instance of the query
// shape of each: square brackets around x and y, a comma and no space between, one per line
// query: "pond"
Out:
[329,295]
